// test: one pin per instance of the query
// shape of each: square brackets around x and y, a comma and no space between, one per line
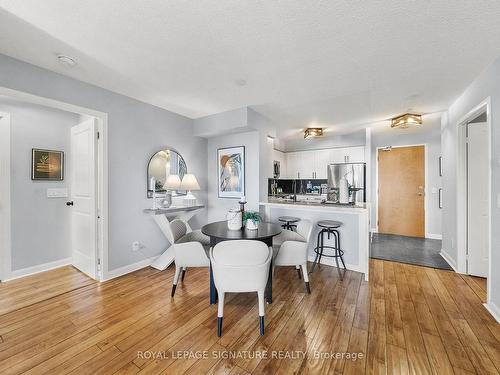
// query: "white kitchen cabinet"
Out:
[281,157]
[321,161]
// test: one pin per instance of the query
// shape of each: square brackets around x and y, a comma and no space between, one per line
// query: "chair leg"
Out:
[220,313]
[337,253]
[317,252]
[306,278]
[262,304]
[184,269]
[322,242]
[176,279]
[298,271]
[340,247]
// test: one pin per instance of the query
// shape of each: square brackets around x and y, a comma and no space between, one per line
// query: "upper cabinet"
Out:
[313,164]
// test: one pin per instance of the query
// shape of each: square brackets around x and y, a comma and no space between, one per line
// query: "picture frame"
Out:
[231,172]
[47,165]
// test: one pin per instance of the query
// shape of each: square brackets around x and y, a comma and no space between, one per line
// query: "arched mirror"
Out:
[163,164]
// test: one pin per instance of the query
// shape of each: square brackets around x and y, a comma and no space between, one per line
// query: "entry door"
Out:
[84,197]
[478,199]
[401,191]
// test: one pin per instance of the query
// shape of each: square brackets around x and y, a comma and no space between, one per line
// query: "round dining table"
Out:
[219,232]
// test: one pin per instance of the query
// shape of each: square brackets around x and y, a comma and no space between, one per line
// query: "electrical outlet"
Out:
[136,246]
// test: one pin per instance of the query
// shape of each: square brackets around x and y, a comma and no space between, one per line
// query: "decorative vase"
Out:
[251,225]
[234,219]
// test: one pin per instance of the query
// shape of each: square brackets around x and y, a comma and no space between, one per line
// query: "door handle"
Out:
[70,203]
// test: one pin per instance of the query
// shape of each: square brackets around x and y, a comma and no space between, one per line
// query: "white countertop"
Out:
[363,208]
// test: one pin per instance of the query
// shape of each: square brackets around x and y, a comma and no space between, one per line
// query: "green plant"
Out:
[251,215]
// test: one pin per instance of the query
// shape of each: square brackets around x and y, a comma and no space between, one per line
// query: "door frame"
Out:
[461,198]
[102,223]
[427,234]
[5,215]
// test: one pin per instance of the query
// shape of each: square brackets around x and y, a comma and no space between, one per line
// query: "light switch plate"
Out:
[57,193]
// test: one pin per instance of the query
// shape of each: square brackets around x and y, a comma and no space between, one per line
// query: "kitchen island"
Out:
[355,234]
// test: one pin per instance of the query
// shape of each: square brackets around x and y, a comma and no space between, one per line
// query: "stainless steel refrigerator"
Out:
[355,174]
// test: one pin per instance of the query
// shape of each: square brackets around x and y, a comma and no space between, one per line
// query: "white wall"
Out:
[430,135]
[40,227]
[484,86]
[218,207]
[136,131]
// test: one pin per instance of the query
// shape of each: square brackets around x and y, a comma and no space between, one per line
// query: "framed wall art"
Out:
[231,172]
[47,165]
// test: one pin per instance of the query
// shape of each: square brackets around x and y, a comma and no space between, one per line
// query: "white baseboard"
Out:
[493,309]
[37,269]
[374,230]
[449,260]
[128,269]
[433,236]
[331,262]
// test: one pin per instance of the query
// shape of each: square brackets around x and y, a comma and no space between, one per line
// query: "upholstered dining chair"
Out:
[190,250]
[290,249]
[240,266]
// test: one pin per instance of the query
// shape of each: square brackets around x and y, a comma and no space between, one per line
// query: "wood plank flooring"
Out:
[406,319]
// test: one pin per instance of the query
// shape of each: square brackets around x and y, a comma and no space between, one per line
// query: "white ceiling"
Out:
[330,63]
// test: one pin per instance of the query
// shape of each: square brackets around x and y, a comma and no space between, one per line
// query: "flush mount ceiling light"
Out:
[313,132]
[66,60]
[406,120]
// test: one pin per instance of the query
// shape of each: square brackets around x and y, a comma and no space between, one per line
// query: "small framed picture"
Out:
[231,172]
[440,166]
[47,165]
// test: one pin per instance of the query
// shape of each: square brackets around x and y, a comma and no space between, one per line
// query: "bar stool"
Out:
[329,227]
[289,222]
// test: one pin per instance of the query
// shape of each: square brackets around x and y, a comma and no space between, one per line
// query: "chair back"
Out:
[178,228]
[240,265]
[304,228]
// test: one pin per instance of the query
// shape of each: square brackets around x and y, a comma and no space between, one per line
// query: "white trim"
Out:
[426,184]
[38,268]
[461,198]
[129,268]
[5,214]
[493,309]
[448,259]
[433,236]
[103,169]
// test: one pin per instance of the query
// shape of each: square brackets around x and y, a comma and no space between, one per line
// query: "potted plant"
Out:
[251,220]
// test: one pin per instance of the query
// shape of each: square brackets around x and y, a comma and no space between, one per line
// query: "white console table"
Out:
[163,217]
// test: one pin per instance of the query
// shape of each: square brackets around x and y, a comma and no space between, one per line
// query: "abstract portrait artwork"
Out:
[231,170]
[47,165]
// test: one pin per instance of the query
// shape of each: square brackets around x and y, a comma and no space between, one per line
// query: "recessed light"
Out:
[240,82]
[66,60]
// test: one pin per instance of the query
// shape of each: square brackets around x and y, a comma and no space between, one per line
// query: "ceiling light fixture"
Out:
[406,120]
[66,60]
[313,132]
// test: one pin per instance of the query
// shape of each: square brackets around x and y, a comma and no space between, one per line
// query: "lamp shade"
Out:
[173,182]
[189,182]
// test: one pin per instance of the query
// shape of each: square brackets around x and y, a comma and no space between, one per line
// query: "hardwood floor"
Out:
[407,319]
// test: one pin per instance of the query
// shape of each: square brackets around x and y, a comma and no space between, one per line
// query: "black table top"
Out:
[220,231]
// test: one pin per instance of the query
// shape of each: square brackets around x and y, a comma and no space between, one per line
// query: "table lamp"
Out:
[189,183]
[173,182]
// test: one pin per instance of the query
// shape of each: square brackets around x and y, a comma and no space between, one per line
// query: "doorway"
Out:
[478,199]
[401,191]
[82,192]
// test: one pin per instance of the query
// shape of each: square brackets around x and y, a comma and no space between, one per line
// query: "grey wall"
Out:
[484,86]
[430,135]
[218,207]
[357,138]
[40,227]
[136,131]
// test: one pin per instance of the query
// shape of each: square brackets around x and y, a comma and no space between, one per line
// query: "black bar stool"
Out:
[289,222]
[329,227]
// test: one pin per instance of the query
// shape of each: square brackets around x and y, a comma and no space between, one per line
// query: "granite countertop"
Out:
[338,206]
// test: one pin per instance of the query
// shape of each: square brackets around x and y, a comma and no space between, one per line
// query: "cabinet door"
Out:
[321,161]
[291,165]
[336,155]
[355,154]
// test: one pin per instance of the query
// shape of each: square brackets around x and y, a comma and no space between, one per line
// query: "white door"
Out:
[478,199]
[84,197]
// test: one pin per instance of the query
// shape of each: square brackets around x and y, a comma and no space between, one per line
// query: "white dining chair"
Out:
[240,266]
[190,250]
[290,249]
